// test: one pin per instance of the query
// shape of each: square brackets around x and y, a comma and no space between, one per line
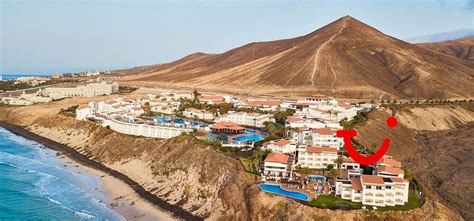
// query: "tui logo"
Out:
[347,134]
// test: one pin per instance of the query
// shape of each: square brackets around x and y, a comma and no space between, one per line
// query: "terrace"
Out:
[313,185]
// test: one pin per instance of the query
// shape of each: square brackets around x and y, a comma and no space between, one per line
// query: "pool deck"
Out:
[306,190]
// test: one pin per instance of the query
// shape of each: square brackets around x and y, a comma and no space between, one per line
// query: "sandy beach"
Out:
[123,199]
[126,196]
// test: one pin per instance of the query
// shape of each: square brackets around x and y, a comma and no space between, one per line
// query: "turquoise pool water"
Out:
[161,119]
[276,189]
[250,130]
[249,137]
[317,178]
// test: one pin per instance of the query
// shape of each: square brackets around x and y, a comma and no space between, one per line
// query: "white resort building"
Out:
[301,135]
[387,187]
[389,167]
[302,121]
[123,115]
[278,166]
[176,95]
[212,99]
[263,105]
[196,113]
[317,99]
[326,137]
[88,90]
[350,168]
[146,129]
[280,146]
[374,190]
[325,108]
[316,157]
[26,99]
[247,119]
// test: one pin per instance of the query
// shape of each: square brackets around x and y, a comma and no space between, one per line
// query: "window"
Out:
[379,187]
[388,187]
[368,187]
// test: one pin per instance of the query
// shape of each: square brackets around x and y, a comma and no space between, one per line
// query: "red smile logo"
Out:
[347,134]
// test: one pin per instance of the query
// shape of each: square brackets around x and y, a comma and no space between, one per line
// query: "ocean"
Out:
[35,184]
[6,77]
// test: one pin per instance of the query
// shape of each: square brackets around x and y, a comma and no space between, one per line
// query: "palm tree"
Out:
[408,173]
[329,167]
[334,173]
[256,157]
[196,95]
[339,162]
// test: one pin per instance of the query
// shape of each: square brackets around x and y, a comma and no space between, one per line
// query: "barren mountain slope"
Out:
[462,48]
[436,142]
[345,57]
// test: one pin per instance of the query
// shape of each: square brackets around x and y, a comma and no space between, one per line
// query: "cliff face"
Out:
[194,176]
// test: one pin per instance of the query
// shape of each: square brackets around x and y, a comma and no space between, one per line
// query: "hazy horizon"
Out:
[57,36]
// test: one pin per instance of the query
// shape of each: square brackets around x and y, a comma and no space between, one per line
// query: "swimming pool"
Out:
[161,119]
[317,178]
[276,189]
[248,137]
[250,131]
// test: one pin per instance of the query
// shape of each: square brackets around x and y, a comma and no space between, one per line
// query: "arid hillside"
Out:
[436,143]
[187,173]
[462,48]
[344,58]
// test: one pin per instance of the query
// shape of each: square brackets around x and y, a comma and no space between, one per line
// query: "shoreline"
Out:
[119,197]
[113,181]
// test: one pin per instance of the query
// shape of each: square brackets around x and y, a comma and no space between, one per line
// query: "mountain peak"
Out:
[347,25]
[342,57]
[348,17]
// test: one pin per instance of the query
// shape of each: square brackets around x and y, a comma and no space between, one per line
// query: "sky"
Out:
[56,36]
